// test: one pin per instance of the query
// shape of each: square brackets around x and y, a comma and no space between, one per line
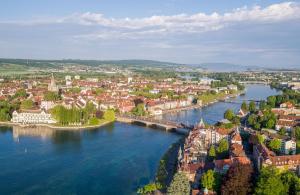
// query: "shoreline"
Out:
[74,128]
[197,106]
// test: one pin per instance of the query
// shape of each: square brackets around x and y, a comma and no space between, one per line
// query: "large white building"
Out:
[32,118]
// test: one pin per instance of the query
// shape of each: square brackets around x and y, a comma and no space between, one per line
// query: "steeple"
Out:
[52,85]
[201,124]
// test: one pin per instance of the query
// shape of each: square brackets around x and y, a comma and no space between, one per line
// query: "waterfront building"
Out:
[32,118]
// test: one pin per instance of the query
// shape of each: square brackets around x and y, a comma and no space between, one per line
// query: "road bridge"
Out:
[152,122]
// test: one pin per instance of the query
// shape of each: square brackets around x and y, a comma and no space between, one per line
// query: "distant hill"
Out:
[55,63]
[226,67]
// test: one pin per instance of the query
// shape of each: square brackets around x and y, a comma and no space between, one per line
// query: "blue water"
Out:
[213,113]
[115,159]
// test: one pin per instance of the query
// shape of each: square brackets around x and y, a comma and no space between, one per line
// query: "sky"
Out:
[260,32]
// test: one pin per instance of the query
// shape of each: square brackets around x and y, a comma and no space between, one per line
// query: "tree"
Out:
[180,185]
[236,120]
[20,93]
[94,121]
[51,96]
[269,182]
[244,106]
[238,180]
[207,179]
[229,114]
[282,131]
[149,188]
[222,149]
[139,110]
[211,180]
[260,138]
[291,182]
[275,144]
[90,108]
[297,132]
[262,105]
[270,124]
[271,101]
[252,119]
[109,115]
[252,107]
[257,126]
[27,104]
[212,152]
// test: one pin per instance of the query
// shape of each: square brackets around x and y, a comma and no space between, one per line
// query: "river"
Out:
[115,159]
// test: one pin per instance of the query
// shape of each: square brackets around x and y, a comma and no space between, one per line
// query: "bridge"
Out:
[156,123]
[241,101]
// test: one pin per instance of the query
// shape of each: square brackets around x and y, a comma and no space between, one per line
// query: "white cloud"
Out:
[134,28]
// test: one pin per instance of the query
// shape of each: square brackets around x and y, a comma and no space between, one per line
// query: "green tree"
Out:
[212,152]
[20,93]
[90,108]
[244,106]
[282,131]
[208,179]
[269,182]
[149,188]
[297,132]
[211,180]
[139,110]
[260,138]
[222,148]
[252,119]
[275,144]
[262,105]
[180,185]
[257,126]
[271,101]
[109,115]
[94,121]
[229,114]
[252,107]
[51,96]
[270,124]
[27,104]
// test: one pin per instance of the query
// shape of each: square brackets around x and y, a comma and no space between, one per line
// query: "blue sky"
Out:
[261,32]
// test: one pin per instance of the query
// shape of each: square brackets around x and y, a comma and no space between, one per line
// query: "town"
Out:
[227,157]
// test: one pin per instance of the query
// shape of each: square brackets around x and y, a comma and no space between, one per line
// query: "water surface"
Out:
[115,159]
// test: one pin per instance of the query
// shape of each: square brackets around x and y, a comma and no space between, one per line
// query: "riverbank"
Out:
[75,128]
[214,98]
[168,165]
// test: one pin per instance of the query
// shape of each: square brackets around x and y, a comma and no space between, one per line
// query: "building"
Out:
[52,85]
[287,121]
[232,87]
[264,157]
[47,105]
[288,147]
[32,118]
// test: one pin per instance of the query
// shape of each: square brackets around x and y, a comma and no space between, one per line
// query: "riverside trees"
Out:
[180,185]
[80,116]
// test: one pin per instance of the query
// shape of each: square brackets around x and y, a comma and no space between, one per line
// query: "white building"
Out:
[232,87]
[288,147]
[47,105]
[32,118]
